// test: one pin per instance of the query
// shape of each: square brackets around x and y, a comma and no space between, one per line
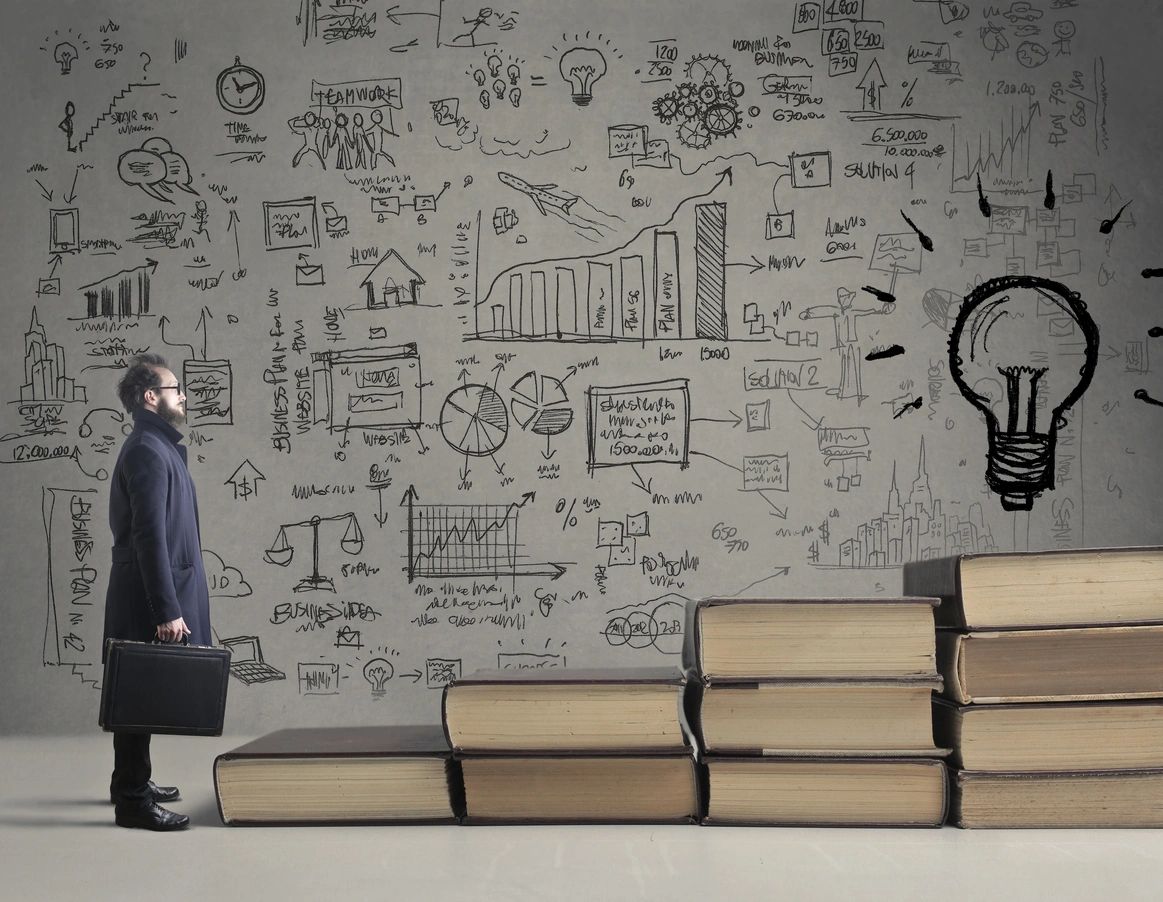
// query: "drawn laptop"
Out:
[246,661]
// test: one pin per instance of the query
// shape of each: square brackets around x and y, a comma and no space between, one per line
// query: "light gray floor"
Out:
[58,841]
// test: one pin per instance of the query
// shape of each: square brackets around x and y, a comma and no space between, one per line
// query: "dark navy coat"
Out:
[157,573]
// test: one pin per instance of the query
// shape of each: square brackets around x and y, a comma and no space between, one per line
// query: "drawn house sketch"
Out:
[392,282]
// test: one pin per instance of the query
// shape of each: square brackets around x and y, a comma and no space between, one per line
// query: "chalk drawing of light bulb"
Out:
[495,63]
[64,53]
[377,672]
[581,67]
[1009,364]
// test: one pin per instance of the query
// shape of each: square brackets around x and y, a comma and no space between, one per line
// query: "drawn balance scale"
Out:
[241,89]
[281,552]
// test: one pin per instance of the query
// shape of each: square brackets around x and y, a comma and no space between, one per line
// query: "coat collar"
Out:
[147,419]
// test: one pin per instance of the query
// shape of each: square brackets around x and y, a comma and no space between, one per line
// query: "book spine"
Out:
[950,664]
[444,715]
[941,578]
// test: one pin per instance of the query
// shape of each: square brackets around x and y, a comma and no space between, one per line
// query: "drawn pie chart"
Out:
[540,404]
[474,420]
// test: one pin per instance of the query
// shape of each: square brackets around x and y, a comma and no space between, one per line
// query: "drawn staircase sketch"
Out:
[117,98]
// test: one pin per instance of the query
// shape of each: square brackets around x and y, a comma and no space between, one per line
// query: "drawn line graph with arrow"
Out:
[466,540]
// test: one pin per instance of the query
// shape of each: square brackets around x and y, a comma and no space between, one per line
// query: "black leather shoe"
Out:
[151,816]
[156,793]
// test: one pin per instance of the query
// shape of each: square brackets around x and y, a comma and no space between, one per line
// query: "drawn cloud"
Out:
[225,582]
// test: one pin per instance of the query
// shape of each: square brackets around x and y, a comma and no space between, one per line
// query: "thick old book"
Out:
[636,709]
[824,638]
[1052,736]
[340,775]
[608,789]
[1076,664]
[833,792]
[796,717]
[1079,799]
[1030,590]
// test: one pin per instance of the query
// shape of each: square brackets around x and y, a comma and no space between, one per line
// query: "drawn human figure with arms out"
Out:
[844,316]
[157,585]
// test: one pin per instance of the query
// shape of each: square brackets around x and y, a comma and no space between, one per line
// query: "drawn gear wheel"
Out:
[694,134]
[666,108]
[689,110]
[721,119]
[708,94]
[686,90]
[707,67]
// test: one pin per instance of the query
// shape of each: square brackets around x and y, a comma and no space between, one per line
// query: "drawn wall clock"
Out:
[241,89]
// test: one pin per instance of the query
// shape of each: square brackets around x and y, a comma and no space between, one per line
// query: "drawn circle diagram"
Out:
[541,405]
[474,421]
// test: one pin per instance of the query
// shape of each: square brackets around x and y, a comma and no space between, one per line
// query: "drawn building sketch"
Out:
[915,527]
[45,370]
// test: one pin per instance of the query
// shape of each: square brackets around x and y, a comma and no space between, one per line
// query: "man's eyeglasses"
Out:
[177,388]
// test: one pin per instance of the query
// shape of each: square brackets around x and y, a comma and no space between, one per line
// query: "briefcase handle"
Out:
[185,641]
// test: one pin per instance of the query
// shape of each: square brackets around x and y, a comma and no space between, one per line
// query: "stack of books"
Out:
[817,711]
[1053,671]
[573,746]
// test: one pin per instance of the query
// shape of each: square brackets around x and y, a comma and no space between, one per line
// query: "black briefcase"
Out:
[151,687]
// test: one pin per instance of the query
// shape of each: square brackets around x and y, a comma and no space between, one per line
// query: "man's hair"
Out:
[141,374]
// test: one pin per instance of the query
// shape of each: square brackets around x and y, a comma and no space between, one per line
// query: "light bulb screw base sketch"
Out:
[581,67]
[1004,362]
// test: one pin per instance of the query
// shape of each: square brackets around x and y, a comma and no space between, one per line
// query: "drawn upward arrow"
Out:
[246,473]
[871,85]
[408,499]
[498,369]
[202,326]
[55,261]
[232,226]
[162,326]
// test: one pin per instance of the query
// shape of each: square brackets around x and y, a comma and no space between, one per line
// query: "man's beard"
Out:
[172,414]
